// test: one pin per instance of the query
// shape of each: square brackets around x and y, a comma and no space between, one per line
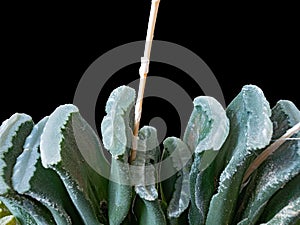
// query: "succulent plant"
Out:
[239,165]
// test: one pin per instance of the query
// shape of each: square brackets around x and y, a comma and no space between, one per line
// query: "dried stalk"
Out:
[143,71]
[270,150]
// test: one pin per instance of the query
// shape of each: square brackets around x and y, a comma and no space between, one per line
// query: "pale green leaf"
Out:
[181,157]
[143,169]
[115,127]
[206,132]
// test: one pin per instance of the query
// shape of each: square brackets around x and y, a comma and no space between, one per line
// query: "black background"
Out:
[46,48]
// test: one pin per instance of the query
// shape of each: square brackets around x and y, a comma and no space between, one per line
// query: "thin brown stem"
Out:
[144,69]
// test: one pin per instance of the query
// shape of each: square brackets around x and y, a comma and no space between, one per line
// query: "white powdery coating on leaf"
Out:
[6,137]
[286,214]
[52,135]
[220,127]
[25,165]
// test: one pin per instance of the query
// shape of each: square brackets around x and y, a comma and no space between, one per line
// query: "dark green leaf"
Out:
[279,168]
[250,131]
[149,212]
[44,185]
[144,176]
[13,133]
[206,132]
[70,147]
[120,192]
[284,206]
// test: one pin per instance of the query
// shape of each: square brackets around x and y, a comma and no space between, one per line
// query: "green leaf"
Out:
[206,132]
[120,192]
[250,131]
[289,215]
[149,212]
[143,168]
[144,176]
[279,168]
[181,158]
[115,126]
[116,129]
[44,185]
[203,133]
[13,133]
[71,148]
[284,206]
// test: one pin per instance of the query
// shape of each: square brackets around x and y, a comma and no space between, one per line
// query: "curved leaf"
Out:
[149,212]
[279,168]
[13,133]
[250,131]
[143,170]
[115,126]
[144,176]
[181,158]
[206,132]
[65,140]
[44,185]
[120,192]
[283,207]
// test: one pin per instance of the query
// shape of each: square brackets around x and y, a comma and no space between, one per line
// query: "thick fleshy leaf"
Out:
[149,212]
[250,132]
[144,176]
[284,206]
[116,129]
[206,132]
[120,192]
[143,169]
[289,215]
[44,185]
[207,129]
[180,157]
[13,133]
[279,168]
[115,126]
[70,147]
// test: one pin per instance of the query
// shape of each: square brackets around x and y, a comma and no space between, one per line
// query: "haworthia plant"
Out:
[56,171]
[62,147]
[279,169]
[116,129]
[250,131]
[206,132]
[44,185]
